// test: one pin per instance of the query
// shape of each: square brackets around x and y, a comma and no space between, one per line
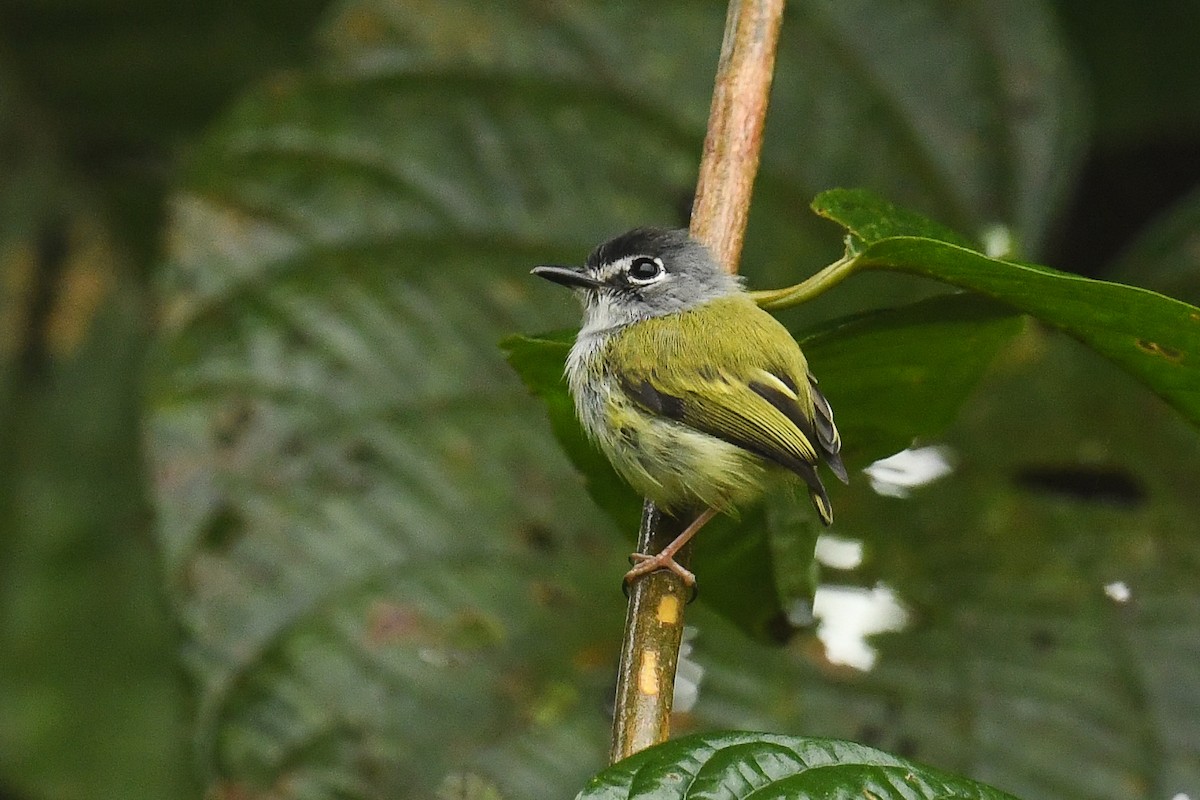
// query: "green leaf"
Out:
[351,528]
[892,376]
[738,764]
[867,217]
[1153,337]
[902,374]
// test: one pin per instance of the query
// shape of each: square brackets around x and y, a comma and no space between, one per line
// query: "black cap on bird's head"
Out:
[646,272]
[668,244]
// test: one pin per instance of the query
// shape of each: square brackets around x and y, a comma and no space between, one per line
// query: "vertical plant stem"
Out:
[654,620]
[735,126]
[650,648]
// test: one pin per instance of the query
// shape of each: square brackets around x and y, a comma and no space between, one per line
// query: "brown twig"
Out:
[654,620]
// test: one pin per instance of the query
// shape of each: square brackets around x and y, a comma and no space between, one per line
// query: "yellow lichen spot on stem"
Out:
[668,610]
[648,674]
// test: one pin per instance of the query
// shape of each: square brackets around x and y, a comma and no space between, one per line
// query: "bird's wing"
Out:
[736,375]
[742,412]
[760,412]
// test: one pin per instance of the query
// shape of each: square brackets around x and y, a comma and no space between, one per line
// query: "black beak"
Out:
[566,276]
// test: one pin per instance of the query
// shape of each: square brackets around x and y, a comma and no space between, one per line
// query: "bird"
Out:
[696,395]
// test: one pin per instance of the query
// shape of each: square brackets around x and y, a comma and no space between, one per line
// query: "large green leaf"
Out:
[1154,337]
[740,765]
[902,374]
[386,571]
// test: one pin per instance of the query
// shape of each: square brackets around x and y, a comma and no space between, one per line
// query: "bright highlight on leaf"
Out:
[836,552]
[899,474]
[849,616]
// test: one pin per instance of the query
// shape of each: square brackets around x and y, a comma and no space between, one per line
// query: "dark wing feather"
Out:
[754,422]
[828,438]
[734,373]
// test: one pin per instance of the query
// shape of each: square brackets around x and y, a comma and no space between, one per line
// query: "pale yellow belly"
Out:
[678,467]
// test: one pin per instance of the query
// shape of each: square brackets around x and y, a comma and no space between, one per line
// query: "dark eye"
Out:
[645,269]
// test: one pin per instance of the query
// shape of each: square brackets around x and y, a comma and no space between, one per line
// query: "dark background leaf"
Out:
[867,217]
[900,375]
[96,99]
[93,701]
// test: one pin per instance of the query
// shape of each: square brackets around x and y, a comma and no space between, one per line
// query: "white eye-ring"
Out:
[644,269]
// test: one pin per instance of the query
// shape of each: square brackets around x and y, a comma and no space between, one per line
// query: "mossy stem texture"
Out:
[650,648]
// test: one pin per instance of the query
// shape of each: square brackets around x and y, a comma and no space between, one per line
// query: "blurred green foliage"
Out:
[329,500]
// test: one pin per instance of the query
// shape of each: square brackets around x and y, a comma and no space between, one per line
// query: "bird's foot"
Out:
[644,565]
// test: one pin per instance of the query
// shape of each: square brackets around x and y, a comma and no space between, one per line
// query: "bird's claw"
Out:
[644,565]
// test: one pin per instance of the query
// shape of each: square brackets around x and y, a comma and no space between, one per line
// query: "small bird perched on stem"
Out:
[694,393]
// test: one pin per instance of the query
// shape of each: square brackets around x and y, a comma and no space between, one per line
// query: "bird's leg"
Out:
[644,564]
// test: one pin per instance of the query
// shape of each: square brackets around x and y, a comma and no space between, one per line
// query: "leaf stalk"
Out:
[823,281]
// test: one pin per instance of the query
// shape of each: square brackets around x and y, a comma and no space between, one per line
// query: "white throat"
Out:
[604,315]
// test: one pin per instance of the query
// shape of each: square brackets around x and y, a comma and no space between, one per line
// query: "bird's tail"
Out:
[820,501]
